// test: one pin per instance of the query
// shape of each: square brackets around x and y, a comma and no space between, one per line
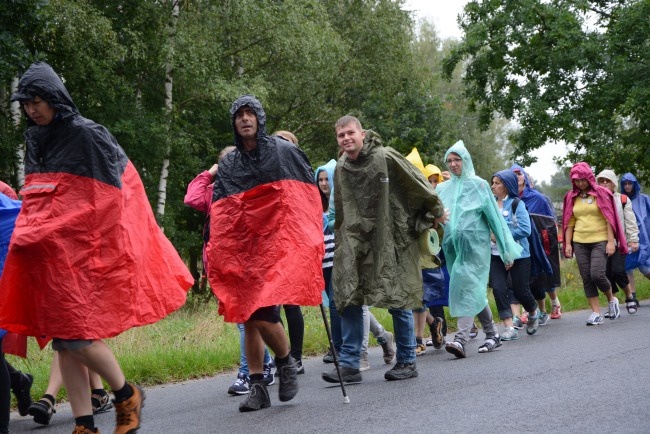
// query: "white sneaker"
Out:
[364,365]
[594,319]
[614,309]
[509,334]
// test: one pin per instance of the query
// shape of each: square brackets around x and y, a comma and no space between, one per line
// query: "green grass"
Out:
[195,342]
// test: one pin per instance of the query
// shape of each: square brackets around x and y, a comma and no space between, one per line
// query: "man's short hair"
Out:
[347,120]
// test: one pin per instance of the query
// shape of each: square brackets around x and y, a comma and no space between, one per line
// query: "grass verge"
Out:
[194,342]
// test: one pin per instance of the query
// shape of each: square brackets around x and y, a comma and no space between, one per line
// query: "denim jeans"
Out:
[335,319]
[243,363]
[404,328]
[352,332]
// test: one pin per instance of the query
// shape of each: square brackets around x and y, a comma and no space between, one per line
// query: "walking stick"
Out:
[346,399]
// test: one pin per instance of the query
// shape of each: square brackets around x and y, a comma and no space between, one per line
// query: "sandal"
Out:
[630,304]
[100,403]
[473,332]
[42,411]
[490,344]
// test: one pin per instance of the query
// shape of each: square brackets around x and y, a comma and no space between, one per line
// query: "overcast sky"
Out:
[443,14]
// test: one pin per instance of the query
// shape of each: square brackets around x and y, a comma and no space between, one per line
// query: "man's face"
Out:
[606,183]
[455,164]
[521,180]
[323,182]
[350,139]
[628,187]
[246,123]
[39,111]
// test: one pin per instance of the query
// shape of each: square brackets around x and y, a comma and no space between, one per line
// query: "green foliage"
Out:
[309,61]
[573,71]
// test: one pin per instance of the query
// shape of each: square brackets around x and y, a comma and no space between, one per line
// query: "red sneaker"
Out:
[556,311]
[524,317]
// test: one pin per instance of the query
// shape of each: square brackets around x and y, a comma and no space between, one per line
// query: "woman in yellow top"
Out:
[592,230]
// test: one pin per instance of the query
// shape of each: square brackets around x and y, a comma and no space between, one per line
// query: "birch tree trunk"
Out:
[169,84]
[20,147]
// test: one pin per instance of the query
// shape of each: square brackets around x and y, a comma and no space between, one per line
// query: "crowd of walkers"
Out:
[371,228]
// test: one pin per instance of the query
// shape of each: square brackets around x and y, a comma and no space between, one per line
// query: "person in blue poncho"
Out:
[641,206]
[543,215]
[473,215]
[506,192]
[9,210]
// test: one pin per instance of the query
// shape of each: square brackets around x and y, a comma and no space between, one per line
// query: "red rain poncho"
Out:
[87,259]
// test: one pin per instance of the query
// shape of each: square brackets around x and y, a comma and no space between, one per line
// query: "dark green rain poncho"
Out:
[383,203]
[473,214]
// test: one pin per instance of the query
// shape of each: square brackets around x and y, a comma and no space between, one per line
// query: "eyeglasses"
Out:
[604,181]
[453,161]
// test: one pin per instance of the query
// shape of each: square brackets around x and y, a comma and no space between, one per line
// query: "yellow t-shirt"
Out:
[590,225]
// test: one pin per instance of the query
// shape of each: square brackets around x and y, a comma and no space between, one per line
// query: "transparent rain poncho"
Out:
[473,214]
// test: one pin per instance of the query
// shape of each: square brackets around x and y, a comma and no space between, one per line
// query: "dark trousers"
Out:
[5,397]
[615,271]
[592,263]
[520,275]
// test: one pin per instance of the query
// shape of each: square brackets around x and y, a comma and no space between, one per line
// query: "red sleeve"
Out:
[199,192]
[8,191]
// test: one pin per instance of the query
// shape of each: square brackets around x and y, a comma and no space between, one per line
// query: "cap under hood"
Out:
[609,174]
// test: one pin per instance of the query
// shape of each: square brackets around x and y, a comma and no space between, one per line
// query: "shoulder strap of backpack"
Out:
[515,202]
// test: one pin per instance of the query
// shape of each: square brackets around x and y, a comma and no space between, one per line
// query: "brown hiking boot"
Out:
[128,412]
[80,429]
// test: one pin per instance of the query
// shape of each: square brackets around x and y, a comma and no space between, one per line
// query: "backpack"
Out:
[539,263]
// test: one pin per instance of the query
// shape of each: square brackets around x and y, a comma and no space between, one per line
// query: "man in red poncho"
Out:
[266,243]
[87,260]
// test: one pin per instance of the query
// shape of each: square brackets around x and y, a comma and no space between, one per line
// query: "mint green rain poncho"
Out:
[473,214]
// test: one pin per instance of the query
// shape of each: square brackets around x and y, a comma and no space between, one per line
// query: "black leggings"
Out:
[5,397]
[520,274]
[296,326]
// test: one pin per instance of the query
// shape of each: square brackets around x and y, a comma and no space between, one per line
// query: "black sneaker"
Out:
[22,393]
[328,358]
[288,380]
[258,398]
[401,371]
[349,375]
[42,411]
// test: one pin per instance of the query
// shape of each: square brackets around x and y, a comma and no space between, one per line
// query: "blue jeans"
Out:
[243,363]
[352,333]
[335,319]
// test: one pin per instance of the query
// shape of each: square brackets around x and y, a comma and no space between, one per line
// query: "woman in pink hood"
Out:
[592,230]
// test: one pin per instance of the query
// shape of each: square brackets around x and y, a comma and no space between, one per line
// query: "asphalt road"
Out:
[566,378]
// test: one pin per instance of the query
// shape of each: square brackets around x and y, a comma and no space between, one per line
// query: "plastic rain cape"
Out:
[473,215]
